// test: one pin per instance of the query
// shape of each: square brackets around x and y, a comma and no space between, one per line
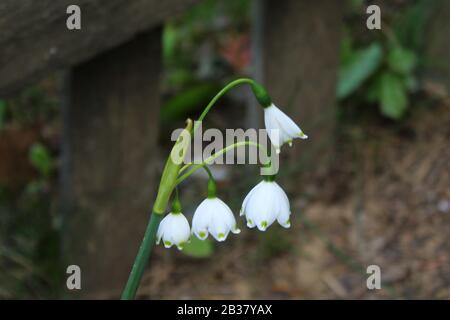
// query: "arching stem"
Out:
[211,158]
[217,97]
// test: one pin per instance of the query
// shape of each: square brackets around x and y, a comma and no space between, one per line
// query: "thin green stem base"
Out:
[142,257]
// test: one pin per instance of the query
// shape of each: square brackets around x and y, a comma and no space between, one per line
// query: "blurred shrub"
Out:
[40,158]
[383,70]
[188,101]
[195,62]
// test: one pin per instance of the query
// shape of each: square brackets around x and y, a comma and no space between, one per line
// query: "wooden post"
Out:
[301,60]
[109,161]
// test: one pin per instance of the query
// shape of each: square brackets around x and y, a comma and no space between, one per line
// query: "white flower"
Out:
[174,230]
[215,217]
[280,127]
[264,204]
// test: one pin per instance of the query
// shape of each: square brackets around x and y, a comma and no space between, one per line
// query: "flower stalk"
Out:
[142,257]
[213,216]
[166,187]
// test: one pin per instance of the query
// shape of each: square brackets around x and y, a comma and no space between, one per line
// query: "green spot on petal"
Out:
[167,243]
[264,224]
[221,235]
[202,234]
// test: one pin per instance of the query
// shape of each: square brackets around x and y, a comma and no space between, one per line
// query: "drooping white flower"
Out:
[280,127]
[264,204]
[173,230]
[213,217]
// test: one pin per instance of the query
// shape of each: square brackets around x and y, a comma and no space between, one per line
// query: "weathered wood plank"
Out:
[109,164]
[34,38]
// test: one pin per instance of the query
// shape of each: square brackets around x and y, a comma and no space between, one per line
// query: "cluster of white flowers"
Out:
[264,204]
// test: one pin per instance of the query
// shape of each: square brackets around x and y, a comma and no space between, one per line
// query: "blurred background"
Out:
[85,128]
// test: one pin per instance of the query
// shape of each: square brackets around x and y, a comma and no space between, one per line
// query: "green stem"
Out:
[169,181]
[217,97]
[142,257]
[213,157]
[210,175]
[212,186]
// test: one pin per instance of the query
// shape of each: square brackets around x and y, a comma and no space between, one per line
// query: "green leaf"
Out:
[394,100]
[40,158]
[346,48]
[361,66]
[373,92]
[401,60]
[188,101]
[198,248]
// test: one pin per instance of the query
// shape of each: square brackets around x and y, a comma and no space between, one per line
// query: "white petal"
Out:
[225,211]
[288,125]
[160,231]
[273,129]
[275,119]
[215,217]
[219,228]
[175,230]
[201,220]
[244,204]
[180,231]
[261,208]
[284,207]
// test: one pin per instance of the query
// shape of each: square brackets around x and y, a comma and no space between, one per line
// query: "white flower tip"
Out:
[221,237]
[302,135]
[236,230]
[277,150]
[181,245]
[286,225]
[263,226]
[167,244]
[290,143]
[202,235]
[250,223]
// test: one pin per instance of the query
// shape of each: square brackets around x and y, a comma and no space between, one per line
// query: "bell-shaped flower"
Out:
[213,217]
[173,230]
[280,127]
[264,204]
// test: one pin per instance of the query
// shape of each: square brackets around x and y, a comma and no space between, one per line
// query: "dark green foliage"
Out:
[40,158]
[359,66]
[392,95]
[188,101]
[384,71]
